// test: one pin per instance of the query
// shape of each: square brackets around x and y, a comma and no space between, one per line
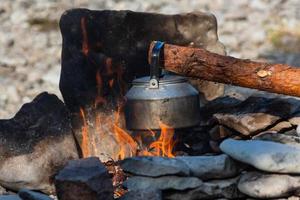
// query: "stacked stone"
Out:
[260,168]
[261,131]
[257,154]
[186,177]
[243,114]
[276,161]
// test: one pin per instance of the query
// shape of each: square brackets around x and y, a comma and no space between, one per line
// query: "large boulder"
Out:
[35,144]
[102,40]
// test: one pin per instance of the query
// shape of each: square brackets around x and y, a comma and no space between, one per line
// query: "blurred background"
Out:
[30,40]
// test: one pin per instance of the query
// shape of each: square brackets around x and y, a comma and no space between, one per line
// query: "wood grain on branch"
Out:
[200,63]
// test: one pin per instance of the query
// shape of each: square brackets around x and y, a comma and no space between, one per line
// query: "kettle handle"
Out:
[155,69]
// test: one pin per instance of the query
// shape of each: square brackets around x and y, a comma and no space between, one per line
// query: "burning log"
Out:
[200,63]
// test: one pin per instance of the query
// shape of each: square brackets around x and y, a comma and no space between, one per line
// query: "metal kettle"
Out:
[165,98]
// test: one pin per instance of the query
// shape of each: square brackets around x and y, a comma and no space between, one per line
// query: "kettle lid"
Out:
[164,79]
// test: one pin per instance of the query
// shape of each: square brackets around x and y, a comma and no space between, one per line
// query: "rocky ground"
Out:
[30,40]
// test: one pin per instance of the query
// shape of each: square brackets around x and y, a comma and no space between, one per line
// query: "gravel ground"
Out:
[30,41]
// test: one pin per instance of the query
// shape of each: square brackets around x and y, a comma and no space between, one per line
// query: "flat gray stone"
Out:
[147,194]
[264,155]
[210,167]
[246,123]
[280,138]
[31,195]
[295,120]
[84,179]
[10,197]
[281,126]
[255,114]
[154,166]
[266,186]
[162,183]
[216,189]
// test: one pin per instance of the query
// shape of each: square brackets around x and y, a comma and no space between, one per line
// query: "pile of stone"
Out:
[265,167]
[257,155]
[244,115]
[187,177]
[256,147]
[276,165]
[79,180]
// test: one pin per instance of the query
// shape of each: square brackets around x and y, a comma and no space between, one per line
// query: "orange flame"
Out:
[164,145]
[85,135]
[125,141]
[101,124]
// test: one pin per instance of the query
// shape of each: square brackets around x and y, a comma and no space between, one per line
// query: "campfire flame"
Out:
[85,135]
[128,146]
[95,124]
[123,139]
[165,143]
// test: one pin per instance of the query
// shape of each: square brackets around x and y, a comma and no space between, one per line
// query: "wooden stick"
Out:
[200,63]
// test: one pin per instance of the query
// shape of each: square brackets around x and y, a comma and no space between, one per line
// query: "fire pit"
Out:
[122,134]
[96,98]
